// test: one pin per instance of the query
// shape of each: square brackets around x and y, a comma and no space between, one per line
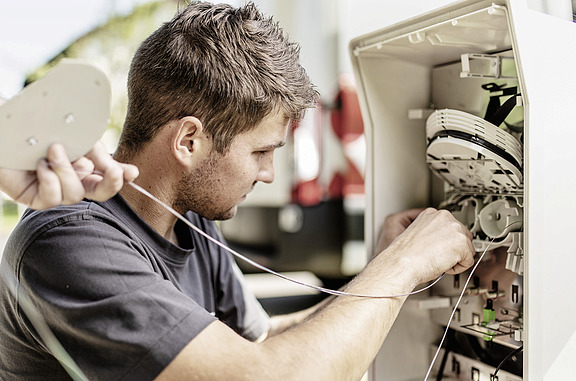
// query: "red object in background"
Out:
[308,190]
[308,193]
[325,181]
[348,126]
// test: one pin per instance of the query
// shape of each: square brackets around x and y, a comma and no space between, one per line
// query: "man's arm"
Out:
[339,340]
[57,181]
[394,225]
[281,323]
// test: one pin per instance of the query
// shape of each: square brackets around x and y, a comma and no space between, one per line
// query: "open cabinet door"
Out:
[547,67]
[471,108]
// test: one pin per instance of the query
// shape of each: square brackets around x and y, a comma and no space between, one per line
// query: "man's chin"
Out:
[227,214]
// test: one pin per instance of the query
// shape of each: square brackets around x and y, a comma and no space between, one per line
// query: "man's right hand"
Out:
[433,244]
[96,176]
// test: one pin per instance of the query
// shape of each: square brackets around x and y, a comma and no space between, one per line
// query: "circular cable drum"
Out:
[472,154]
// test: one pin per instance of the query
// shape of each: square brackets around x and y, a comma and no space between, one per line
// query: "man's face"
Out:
[222,181]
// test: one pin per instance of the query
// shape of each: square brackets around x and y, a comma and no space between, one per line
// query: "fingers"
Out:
[460,267]
[467,258]
[411,214]
[51,188]
[21,186]
[66,186]
[48,190]
[394,225]
[83,167]
[466,248]
[440,242]
[110,176]
[130,172]
[96,176]
[57,181]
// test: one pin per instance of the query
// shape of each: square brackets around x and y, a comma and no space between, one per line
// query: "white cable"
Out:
[263,268]
[454,310]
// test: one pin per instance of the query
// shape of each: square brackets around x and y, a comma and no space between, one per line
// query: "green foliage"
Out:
[110,47]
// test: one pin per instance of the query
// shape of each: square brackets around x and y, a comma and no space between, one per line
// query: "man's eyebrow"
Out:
[273,146]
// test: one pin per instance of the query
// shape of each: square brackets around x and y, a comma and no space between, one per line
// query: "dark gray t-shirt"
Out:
[121,299]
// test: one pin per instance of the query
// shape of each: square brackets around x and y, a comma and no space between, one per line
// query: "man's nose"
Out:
[266,172]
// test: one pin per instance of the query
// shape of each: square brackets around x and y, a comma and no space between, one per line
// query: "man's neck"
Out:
[160,173]
[149,210]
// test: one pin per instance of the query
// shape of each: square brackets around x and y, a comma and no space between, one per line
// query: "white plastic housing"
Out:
[70,105]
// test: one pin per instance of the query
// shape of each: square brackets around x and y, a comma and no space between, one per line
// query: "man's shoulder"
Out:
[33,220]
[35,223]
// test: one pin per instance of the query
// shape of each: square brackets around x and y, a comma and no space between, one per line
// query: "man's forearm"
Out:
[340,341]
[336,342]
[281,323]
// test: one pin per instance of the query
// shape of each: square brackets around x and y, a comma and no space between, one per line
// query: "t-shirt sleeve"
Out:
[113,313]
[257,321]
[236,305]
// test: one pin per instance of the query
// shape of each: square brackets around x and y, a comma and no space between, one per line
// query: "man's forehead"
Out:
[272,130]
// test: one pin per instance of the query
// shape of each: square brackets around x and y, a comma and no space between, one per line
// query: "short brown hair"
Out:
[229,67]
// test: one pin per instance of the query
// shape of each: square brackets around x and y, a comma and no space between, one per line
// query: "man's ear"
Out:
[189,140]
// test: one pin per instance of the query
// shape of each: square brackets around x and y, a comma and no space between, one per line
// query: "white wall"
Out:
[324,28]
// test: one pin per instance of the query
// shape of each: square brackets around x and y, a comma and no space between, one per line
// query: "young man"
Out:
[133,293]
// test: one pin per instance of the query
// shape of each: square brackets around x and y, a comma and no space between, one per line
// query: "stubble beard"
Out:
[194,193]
